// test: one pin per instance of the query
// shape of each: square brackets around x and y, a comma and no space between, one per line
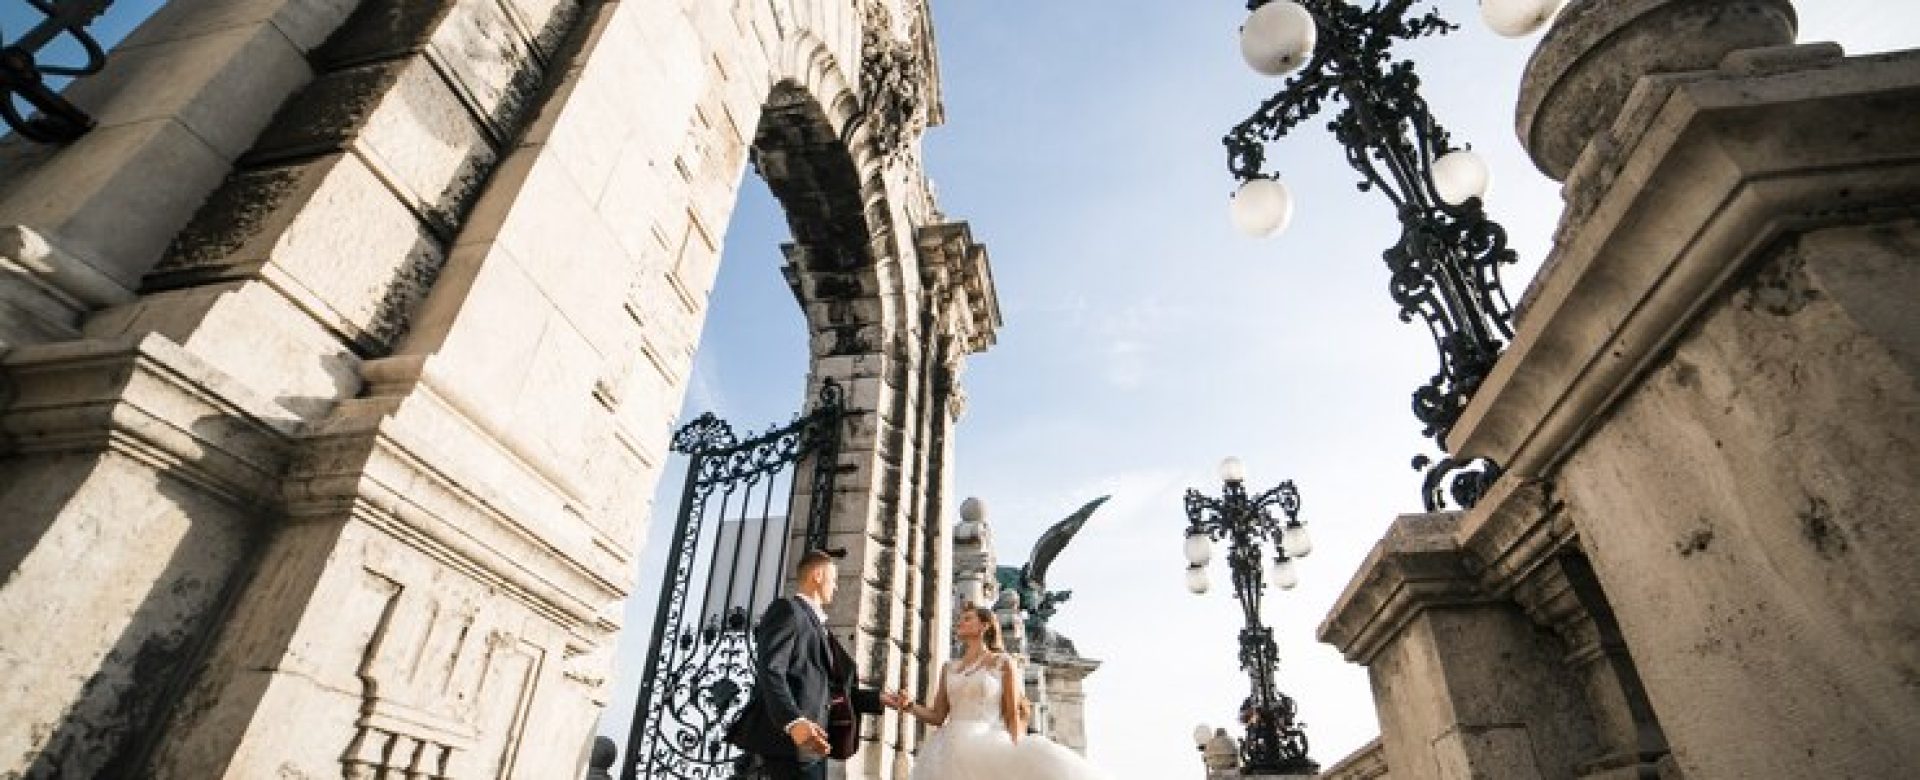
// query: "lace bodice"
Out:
[974,694]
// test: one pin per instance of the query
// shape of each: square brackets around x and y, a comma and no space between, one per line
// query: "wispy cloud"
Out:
[1131,337]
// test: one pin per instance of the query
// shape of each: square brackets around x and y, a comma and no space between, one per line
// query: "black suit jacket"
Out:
[800,667]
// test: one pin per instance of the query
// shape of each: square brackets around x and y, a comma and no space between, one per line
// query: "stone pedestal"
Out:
[1717,379]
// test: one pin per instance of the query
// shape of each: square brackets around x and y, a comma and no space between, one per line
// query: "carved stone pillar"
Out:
[1525,549]
[1465,684]
[1563,594]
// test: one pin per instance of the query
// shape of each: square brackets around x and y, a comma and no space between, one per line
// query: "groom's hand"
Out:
[807,736]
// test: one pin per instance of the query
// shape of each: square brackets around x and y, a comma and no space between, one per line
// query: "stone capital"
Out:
[1417,566]
[151,400]
[956,269]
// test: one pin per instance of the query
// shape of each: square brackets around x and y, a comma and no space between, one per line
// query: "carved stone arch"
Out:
[855,270]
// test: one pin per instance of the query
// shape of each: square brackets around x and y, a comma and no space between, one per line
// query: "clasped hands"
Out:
[809,737]
[898,700]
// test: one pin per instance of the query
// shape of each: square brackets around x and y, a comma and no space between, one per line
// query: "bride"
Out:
[977,707]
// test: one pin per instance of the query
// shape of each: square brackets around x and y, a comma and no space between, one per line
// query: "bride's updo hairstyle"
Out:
[990,635]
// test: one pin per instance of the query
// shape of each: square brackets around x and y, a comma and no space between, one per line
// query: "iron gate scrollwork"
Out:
[699,666]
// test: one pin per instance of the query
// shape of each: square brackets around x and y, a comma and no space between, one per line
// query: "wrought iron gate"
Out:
[700,665]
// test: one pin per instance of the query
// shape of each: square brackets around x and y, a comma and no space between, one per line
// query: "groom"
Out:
[804,700]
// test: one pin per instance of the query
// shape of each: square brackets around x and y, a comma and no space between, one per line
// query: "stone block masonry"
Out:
[343,356]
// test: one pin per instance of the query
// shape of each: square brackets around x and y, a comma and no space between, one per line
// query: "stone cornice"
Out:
[151,400]
[416,468]
[949,254]
[1418,565]
[61,272]
[1513,531]
[1776,142]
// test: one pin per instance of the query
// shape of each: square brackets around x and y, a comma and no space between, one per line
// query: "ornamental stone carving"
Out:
[893,76]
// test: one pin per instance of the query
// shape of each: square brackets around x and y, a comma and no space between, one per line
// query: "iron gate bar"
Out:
[696,675]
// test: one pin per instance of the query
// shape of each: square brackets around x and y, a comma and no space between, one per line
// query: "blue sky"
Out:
[1145,340]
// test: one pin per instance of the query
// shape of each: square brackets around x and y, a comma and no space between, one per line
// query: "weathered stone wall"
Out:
[1709,418]
[345,351]
[1752,510]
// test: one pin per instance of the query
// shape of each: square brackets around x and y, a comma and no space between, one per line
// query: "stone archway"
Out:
[374,393]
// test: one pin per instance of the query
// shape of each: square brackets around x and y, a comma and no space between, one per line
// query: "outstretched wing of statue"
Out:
[1056,538]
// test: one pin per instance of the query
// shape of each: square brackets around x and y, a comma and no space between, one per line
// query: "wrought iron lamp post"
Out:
[23,77]
[1445,268]
[1275,742]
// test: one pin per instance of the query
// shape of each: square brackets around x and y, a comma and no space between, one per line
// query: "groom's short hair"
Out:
[815,558]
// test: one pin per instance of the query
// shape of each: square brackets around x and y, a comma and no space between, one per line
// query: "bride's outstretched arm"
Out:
[937,714]
[1010,698]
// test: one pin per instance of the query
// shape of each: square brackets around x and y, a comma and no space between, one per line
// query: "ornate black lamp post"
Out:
[1445,268]
[1275,743]
[22,76]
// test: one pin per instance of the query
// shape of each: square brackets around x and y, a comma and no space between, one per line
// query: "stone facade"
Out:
[1695,564]
[341,359]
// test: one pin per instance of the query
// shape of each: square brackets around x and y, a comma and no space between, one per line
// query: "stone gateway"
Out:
[340,360]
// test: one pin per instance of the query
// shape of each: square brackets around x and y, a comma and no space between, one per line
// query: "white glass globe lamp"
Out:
[1283,574]
[1460,175]
[1262,207]
[1199,549]
[1518,18]
[1278,38]
[1295,540]
[1232,470]
[1197,579]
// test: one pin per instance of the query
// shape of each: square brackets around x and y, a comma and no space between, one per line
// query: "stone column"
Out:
[1526,550]
[1563,594]
[1465,684]
[1067,700]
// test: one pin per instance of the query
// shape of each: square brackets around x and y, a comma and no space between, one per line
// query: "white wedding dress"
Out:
[975,745]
